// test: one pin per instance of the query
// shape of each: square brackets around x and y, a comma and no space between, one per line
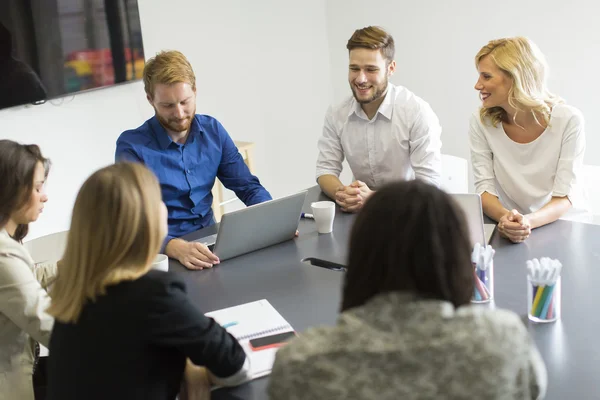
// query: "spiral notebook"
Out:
[250,321]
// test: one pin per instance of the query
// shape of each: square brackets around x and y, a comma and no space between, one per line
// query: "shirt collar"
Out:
[355,109]
[385,108]
[164,140]
[387,105]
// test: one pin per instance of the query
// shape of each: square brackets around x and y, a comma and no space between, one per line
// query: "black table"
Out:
[308,295]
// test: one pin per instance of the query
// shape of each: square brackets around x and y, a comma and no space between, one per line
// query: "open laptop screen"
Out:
[256,227]
[470,203]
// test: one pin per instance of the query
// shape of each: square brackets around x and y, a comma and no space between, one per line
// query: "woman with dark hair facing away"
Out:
[407,330]
[122,330]
[23,297]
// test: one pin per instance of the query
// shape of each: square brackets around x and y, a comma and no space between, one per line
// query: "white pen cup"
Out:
[324,213]
[161,263]
[543,300]
[483,291]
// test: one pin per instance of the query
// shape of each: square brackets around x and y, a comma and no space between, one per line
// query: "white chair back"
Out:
[455,174]
[49,248]
[591,179]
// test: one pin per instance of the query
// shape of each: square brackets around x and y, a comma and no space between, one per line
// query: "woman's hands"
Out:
[514,226]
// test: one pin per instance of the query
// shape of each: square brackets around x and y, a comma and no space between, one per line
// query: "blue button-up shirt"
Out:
[187,172]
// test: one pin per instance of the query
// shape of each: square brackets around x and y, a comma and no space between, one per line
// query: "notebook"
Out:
[250,321]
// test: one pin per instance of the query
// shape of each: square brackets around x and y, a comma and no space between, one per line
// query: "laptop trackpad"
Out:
[208,241]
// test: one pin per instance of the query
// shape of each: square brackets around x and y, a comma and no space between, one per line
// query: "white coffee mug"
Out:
[161,263]
[324,213]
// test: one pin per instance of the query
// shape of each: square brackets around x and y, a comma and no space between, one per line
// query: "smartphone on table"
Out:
[267,342]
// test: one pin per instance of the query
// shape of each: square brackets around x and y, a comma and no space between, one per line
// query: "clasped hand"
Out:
[514,226]
[351,198]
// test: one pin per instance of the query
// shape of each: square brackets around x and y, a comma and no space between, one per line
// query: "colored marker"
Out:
[230,324]
[307,216]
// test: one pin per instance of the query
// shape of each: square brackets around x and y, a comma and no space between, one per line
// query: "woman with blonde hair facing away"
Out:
[123,331]
[527,146]
[23,298]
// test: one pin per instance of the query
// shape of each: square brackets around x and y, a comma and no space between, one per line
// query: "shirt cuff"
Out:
[577,199]
[45,273]
[486,188]
[243,375]
[261,197]
[322,172]
[563,190]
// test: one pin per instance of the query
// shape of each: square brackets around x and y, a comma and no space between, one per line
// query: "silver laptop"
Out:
[256,227]
[471,206]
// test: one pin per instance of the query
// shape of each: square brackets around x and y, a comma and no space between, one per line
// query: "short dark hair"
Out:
[17,168]
[410,237]
[375,38]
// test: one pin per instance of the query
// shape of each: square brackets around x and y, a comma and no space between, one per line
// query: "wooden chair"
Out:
[246,149]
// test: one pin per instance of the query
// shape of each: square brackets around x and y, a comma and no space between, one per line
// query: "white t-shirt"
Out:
[401,142]
[525,176]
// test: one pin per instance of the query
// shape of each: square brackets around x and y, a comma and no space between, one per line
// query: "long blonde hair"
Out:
[521,60]
[115,234]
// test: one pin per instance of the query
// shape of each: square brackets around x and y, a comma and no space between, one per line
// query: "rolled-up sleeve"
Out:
[425,145]
[45,273]
[481,159]
[331,154]
[570,162]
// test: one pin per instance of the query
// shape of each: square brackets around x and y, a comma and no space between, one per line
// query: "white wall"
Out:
[268,69]
[78,134]
[262,69]
[436,42]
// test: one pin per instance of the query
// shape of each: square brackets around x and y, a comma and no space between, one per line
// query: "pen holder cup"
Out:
[483,291]
[543,301]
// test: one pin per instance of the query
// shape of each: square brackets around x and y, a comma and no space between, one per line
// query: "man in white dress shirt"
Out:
[384,131]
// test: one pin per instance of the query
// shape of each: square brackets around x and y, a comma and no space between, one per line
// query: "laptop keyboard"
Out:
[209,241]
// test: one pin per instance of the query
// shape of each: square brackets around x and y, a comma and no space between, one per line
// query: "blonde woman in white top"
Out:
[527,146]
[23,298]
